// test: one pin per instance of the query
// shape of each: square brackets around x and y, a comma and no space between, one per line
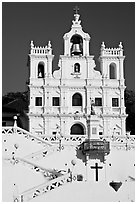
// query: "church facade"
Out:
[76,99]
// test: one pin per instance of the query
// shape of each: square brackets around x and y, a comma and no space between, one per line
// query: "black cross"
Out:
[96,167]
[76,9]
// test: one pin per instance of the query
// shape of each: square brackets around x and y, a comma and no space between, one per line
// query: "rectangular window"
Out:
[94,130]
[115,102]
[100,133]
[98,101]
[55,101]
[38,101]
[54,133]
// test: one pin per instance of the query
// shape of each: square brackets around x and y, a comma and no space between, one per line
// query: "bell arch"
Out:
[77,129]
[41,70]
[112,71]
[77,99]
[77,45]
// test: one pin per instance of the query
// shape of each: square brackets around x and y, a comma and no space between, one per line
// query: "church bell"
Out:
[76,49]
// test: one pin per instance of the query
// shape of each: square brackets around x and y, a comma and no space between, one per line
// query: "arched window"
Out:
[41,70]
[112,71]
[76,100]
[77,45]
[77,67]
[77,129]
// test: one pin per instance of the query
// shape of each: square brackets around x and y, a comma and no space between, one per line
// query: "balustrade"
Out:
[42,153]
[70,138]
[17,130]
[39,51]
[44,188]
[115,51]
[35,167]
[119,142]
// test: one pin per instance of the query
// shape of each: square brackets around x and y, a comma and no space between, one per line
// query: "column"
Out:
[88,69]
[44,99]
[88,102]
[89,127]
[49,65]
[104,100]
[121,71]
[122,104]
[44,126]
[105,126]
[47,125]
[123,126]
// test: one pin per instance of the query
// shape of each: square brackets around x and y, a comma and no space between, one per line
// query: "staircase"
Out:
[10,130]
[43,188]
[51,173]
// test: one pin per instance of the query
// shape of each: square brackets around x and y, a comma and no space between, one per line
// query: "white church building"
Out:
[77,136]
[76,100]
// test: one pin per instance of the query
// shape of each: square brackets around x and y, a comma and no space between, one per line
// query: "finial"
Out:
[32,44]
[120,45]
[76,9]
[15,121]
[103,45]
[49,44]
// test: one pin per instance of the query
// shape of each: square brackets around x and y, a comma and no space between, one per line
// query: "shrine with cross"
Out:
[96,167]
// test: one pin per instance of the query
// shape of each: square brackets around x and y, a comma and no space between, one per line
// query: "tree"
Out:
[130,110]
[11,96]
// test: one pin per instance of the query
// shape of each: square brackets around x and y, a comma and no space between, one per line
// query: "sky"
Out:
[41,22]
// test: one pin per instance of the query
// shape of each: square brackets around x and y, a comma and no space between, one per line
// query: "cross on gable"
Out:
[76,9]
[96,167]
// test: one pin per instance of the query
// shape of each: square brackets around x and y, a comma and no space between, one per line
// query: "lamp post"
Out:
[73,162]
[86,164]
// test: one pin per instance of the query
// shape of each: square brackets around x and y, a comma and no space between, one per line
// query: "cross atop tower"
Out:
[76,17]
[76,9]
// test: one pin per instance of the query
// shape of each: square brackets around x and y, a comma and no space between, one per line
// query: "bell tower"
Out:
[76,42]
[76,63]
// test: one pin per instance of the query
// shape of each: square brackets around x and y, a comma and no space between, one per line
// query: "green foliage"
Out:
[130,110]
[11,96]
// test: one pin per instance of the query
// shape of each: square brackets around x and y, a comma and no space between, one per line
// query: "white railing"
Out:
[10,130]
[43,188]
[120,142]
[39,50]
[112,52]
[74,139]
[36,167]
[42,153]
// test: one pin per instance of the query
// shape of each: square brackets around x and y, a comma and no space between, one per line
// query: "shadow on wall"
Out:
[92,155]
